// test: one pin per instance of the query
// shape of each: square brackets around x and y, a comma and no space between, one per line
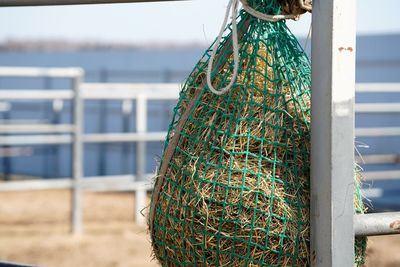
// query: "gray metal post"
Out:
[141,128]
[126,111]
[7,164]
[77,157]
[387,223]
[70,2]
[102,122]
[332,131]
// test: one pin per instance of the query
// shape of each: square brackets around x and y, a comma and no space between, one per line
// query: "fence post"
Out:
[77,156]
[102,123]
[332,131]
[141,128]
[7,167]
[126,110]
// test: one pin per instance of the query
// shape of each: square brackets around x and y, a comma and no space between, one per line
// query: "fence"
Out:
[378,223]
[44,134]
[379,108]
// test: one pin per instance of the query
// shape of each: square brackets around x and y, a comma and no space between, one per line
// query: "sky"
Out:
[196,21]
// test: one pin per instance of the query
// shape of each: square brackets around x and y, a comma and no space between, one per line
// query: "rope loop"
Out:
[233,4]
[232,9]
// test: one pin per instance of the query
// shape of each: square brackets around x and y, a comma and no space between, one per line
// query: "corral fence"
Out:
[51,134]
[333,223]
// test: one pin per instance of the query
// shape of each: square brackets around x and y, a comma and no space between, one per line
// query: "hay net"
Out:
[233,185]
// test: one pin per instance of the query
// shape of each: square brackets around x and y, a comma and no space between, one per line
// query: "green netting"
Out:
[233,185]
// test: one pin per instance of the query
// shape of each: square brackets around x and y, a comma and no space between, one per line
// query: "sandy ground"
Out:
[34,228]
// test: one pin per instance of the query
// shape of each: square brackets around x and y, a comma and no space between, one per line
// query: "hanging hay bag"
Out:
[233,186]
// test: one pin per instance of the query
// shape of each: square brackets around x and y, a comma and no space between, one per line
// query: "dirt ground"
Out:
[34,229]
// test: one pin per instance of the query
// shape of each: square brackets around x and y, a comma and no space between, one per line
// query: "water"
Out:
[377,61]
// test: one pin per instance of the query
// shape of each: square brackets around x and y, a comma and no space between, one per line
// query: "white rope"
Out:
[233,5]
[308,38]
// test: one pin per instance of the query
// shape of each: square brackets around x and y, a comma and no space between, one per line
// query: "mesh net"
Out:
[233,185]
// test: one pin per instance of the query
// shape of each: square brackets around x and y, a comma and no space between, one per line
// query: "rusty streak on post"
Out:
[387,223]
[341,49]
[395,225]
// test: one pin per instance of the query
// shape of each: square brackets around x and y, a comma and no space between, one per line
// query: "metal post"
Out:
[332,131]
[77,157]
[70,2]
[7,161]
[141,128]
[387,223]
[126,111]
[140,204]
[102,122]
[49,156]
[57,109]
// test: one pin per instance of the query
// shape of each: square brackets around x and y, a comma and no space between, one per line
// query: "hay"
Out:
[236,191]
[263,190]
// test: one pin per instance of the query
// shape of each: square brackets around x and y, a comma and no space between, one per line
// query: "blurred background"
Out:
[128,62]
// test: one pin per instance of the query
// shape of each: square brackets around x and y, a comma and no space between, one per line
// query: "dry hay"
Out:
[236,192]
